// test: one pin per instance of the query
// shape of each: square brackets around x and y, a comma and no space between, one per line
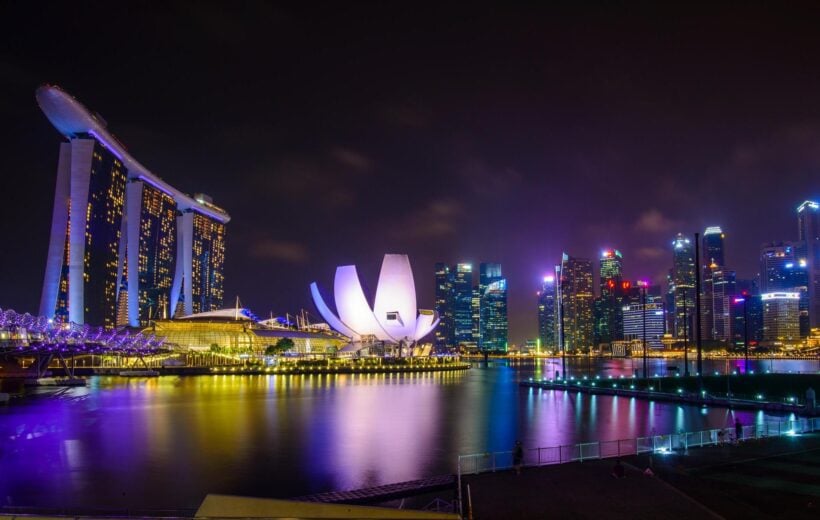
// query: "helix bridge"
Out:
[46,340]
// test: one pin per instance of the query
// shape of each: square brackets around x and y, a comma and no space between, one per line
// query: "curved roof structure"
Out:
[72,119]
[393,318]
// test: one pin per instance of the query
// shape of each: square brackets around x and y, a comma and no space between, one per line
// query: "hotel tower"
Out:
[125,246]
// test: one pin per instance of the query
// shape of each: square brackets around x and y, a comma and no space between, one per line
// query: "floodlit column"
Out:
[81,156]
[56,243]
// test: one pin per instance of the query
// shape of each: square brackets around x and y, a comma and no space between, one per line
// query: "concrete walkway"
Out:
[772,478]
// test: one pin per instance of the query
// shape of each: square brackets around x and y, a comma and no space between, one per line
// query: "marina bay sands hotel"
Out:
[125,246]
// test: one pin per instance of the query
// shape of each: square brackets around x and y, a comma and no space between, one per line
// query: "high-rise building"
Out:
[547,314]
[463,304]
[808,223]
[493,325]
[747,294]
[683,286]
[444,306]
[635,317]
[608,308]
[776,261]
[576,301]
[475,312]
[780,316]
[784,267]
[113,220]
[151,249]
[713,247]
[716,303]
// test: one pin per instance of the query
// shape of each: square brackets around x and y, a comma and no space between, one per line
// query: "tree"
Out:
[283,345]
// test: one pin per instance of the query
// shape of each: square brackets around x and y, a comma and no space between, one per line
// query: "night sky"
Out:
[335,133]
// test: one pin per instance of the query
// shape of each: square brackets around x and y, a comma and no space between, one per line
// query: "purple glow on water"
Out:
[167,442]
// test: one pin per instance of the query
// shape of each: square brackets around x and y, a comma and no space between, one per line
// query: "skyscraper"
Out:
[716,303]
[653,316]
[475,312]
[547,313]
[114,220]
[444,306]
[683,278]
[463,304]
[713,247]
[808,224]
[493,326]
[747,294]
[717,288]
[608,309]
[576,300]
[780,316]
[784,268]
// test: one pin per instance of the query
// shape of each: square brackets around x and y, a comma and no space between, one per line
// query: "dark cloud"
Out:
[277,250]
[653,221]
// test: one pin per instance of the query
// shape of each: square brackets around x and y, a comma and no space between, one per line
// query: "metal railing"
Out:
[494,461]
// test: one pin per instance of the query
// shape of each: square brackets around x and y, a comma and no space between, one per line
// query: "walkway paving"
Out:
[772,478]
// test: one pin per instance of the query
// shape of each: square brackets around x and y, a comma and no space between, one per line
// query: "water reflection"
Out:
[166,442]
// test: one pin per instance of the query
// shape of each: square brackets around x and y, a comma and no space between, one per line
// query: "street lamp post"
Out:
[697,311]
[685,337]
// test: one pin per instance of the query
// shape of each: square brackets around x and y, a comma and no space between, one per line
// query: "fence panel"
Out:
[628,447]
[570,453]
[694,439]
[609,449]
[484,462]
[662,443]
[590,450]
[502,460]
[645,445]
[550,455]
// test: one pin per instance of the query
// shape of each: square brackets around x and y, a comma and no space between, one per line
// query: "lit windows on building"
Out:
[157,253]
[683,281]
[808,225]
[547,314]
[655,319]
[463,304]
[104,210]
[713,246]
[114,248]
[781,316]
[493,326]
[444,306]
[208,264]
[576,303]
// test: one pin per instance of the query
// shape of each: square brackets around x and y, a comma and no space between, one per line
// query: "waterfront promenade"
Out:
[766,478]
[780,393]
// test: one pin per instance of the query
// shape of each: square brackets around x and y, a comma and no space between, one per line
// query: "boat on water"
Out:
[139,373]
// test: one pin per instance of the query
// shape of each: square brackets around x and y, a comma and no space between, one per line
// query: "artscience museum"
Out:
[393,318]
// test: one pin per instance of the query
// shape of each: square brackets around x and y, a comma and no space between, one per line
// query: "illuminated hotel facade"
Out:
[118,227]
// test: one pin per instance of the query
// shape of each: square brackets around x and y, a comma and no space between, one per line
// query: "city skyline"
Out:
[473,158]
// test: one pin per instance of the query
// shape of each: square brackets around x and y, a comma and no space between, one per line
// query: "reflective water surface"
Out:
[167,442]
